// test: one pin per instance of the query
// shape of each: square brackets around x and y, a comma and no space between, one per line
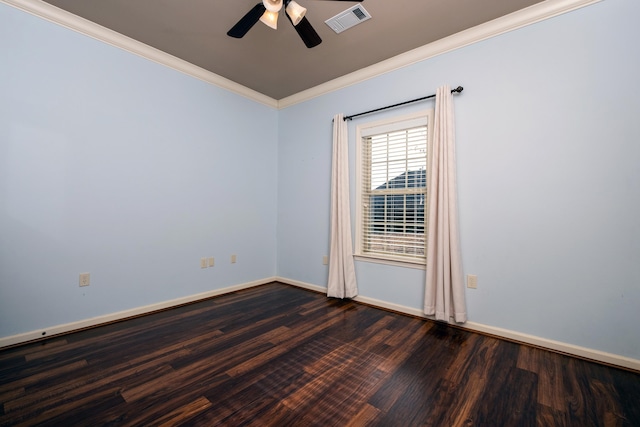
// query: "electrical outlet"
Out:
[211,261]
[325,260]
[85,279]
[233,259]
[472,281]
[203,263]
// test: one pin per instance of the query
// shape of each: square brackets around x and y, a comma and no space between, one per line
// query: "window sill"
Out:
[397,263]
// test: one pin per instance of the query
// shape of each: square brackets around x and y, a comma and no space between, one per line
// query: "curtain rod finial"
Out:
[458,89]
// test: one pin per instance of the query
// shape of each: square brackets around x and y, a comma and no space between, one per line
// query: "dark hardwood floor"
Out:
[276,355]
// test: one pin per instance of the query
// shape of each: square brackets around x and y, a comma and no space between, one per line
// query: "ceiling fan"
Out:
[267,12]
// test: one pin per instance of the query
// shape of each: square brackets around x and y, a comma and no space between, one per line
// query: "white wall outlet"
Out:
[233,259]
[472,281]
[211,261]
[325,260]
[203,263]
[85,279]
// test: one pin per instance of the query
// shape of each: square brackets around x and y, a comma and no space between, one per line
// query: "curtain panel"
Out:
[444,289]
[342,276]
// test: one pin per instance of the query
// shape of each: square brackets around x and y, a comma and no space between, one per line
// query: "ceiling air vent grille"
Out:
[347,19]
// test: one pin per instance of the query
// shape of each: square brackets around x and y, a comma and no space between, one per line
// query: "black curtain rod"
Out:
[458,90]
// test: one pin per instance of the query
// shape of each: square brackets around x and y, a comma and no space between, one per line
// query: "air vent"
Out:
[347,19]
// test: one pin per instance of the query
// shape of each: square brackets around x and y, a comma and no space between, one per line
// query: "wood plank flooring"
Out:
[277,355]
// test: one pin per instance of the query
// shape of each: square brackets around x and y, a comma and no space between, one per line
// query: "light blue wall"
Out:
[114,165]
[118,166]
[548,145]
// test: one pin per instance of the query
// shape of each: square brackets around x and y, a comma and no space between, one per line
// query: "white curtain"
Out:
[342,275]
[444,292]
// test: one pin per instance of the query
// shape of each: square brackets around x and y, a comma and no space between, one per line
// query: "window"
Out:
[392,188]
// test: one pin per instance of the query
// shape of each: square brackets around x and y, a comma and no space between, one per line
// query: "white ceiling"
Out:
[276,63]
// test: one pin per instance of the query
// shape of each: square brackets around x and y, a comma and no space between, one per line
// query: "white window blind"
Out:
[393,186]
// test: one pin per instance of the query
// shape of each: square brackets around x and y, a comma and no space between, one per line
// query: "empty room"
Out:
[320,213]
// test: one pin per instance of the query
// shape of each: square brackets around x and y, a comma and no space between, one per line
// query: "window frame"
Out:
[364,130]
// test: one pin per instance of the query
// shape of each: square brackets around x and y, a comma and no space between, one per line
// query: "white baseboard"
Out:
[562,347]
[121,315]
[570,349]
[299,284]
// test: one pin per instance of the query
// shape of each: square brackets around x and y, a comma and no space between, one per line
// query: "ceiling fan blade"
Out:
[247,21]
[307,33]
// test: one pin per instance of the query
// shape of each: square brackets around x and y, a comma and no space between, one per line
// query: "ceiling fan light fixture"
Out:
[270,19]
[295,12]
[272,5]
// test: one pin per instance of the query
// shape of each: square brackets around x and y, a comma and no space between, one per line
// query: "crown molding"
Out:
[536,13]
[530,15]
[83,26]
